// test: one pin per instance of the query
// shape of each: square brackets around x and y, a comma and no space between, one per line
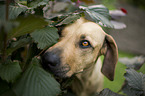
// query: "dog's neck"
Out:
[88,78]
[90,71]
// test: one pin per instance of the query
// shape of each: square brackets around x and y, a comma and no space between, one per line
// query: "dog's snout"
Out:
[51,59]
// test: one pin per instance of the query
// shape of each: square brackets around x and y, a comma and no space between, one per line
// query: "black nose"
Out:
[51,59]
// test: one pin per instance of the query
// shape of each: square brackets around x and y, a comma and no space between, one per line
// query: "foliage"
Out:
[26,30]
[135,82]
[9,71]
[98,13]
[27,25]
[107,92]
[36,82]
[135,85]
[45,37]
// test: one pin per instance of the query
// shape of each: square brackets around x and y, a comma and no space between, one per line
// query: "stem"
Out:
[5,33]
[41,52]
[5,46]
[7,9]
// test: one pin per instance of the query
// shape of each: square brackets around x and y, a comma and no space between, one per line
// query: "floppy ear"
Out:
[110,52]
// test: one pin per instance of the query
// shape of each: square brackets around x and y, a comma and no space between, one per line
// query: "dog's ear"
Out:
[110,52]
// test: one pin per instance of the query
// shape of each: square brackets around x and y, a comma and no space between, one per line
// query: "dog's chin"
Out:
[63,74]
[66,74]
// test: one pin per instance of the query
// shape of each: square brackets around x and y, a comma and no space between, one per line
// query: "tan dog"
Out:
[77,51]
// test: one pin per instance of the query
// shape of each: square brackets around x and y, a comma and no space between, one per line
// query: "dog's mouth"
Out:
[60,71]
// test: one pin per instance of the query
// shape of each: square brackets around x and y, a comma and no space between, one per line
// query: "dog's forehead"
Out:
[86,29]
[90,29]
[93,32]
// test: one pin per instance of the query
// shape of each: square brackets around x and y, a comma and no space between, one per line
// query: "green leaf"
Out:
[32,52]
[10,71]
[36,82]
[8,93]
[45,37]
[14,11]
[2,12]
[108,92]
[27,25]
[18,44]
[98,13]
[69,19]
[37,3]
[129,91]
[135,80]
[4,86]
[5,27]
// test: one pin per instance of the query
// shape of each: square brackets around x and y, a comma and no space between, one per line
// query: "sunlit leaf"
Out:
[118,25]
[45,37]
[27,25]
[14,11]
[37,3]
[36,82]
[9,71]
[69,19]
[99,14]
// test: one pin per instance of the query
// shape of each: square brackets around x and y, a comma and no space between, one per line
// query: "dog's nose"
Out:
[51,59]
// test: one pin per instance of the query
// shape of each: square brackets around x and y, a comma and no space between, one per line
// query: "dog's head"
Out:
[80,44]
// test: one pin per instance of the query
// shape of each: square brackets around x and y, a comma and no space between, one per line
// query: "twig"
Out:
[5,46]
[7,9]
[41,52]
[5,33]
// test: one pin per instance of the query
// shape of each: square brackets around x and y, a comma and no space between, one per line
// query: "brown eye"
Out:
[85,44]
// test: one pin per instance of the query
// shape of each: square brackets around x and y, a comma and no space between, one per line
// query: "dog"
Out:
[78,52]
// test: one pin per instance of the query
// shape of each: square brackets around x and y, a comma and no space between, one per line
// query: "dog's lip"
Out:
[61,73]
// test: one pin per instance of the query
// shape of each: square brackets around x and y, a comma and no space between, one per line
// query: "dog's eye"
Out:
[85,44]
